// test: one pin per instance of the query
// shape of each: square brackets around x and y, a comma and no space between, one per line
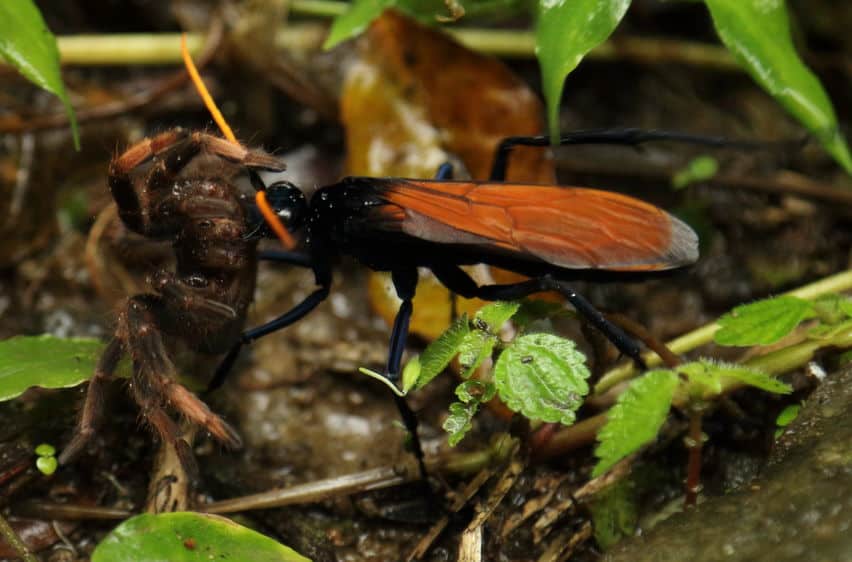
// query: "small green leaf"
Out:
[699,169]
[474,349]
[567,30]
[787,415]
[30,47]
[476,391]
[615,513]
[491,317]
[189,537]
[757,32]
[355,20]
[830,308]
[47,465]
[440,352]
[532,310]
[45,450]
[762,322]
[45,361]
[702,383]
[543,377]
[846,306]
[459,421]
[636,417]
[410,374]
[745,375]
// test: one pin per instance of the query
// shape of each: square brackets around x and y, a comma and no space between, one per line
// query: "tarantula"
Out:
[214,233]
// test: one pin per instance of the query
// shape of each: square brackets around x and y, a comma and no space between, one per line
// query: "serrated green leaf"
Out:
[45,361]
[440,352]
[615,513]
[636,418]
[474,349]
[745,375]
[829,308]
[702,383]
[757,32]
[762,322]
[476,391]
[543,377]
[458,423]
[189,537]
[567,30]
[30,47]
[492,316]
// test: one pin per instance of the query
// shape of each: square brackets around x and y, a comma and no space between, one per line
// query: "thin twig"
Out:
[12,538]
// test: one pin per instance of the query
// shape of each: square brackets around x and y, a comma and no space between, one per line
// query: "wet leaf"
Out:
[762,322]
[459,422]
[757,32]
[567,30]
[475,348]
[543,377]
[185,537]
[30,47]
[45,361]
[635,419]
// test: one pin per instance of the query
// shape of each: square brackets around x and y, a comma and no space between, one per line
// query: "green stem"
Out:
[319,8]
[704,335]
[164,48]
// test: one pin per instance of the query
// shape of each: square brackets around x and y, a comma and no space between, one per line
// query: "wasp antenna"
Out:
[273,221]
[204,93]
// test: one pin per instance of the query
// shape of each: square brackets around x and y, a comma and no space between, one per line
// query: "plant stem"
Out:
[164,48]
[704,335]
[12,538]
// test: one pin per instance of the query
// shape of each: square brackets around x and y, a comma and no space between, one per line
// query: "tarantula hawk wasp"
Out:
[552,234]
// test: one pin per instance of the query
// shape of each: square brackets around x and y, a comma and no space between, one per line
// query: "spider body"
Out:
[202,302]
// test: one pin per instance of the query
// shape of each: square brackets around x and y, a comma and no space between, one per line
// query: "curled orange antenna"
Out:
[260,197]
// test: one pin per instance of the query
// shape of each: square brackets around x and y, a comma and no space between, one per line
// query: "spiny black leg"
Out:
[457,280]
[284,256]
[290,317]
[405,283]
[623,136]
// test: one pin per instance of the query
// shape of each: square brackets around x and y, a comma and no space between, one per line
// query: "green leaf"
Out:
[474,349]
[185,537]
[355,20]
[831,308]
[45,361]
[476,391]
[762,322]
[636,417]
[459,421]
[532,310]
[699,169]
[745,375]
[45,450]
[47,465]
[440,352]
[567,30]
[846,306]
[787,415]
[30,47]
[543,377]
[757,32]
[491,317]
[615,513]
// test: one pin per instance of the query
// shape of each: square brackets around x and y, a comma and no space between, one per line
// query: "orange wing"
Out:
[570,227]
